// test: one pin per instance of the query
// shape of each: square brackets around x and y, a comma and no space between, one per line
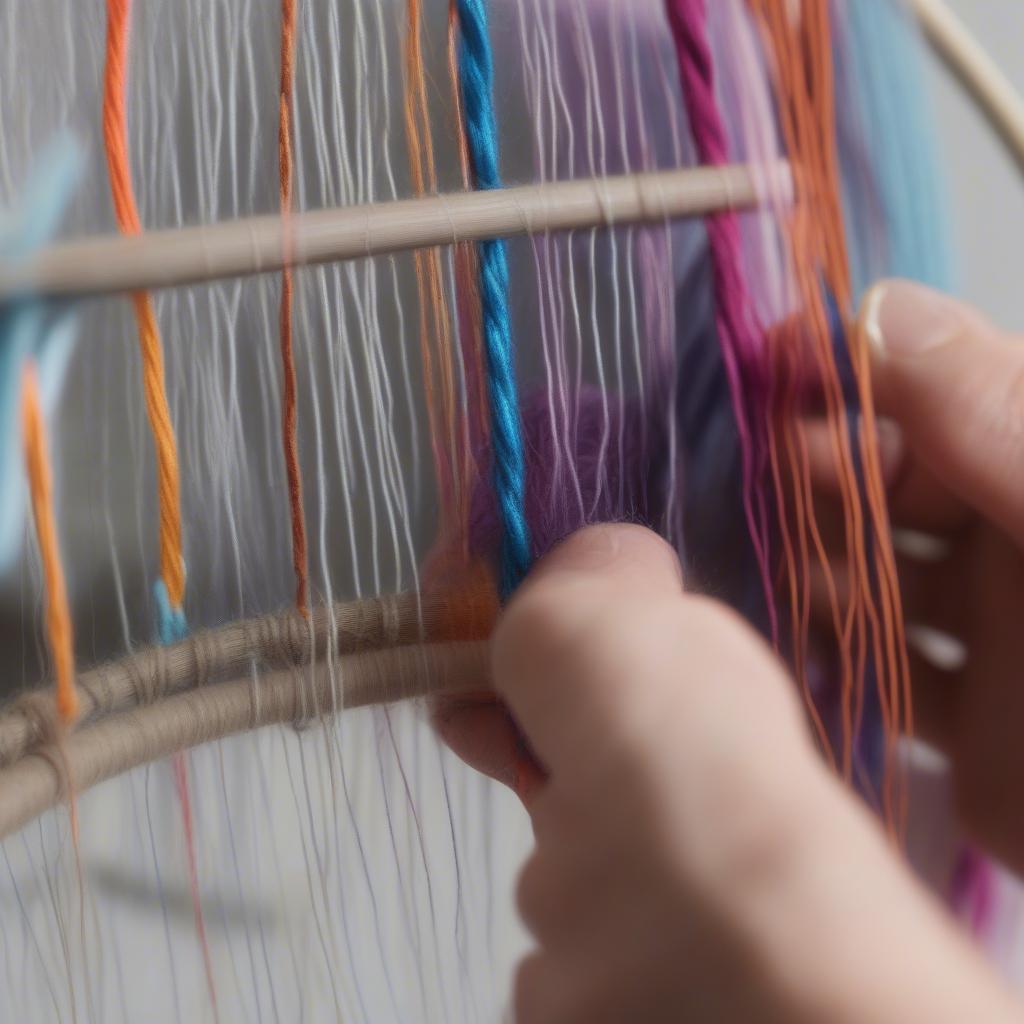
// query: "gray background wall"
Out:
[986,187]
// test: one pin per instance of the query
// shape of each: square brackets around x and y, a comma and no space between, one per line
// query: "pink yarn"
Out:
[741,339]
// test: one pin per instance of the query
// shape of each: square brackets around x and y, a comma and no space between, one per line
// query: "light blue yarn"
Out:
[171,624]
[476,71]
[31,328]
[889,75]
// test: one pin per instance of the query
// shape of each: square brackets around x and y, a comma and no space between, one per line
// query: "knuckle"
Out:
[1011,415]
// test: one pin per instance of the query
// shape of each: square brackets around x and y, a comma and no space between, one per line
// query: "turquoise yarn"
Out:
[171,624]
[476,72]
[31,328]
[888,74]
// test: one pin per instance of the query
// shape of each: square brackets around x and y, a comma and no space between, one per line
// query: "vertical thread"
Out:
[115,138]
[475,429]
[434,317]
[289,413]
[181,786]
[59,630]
[170,588]
[742,343]
[477,79]
[801,58]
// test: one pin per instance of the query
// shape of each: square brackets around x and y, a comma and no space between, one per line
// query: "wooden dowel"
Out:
[168,259]
[970,62]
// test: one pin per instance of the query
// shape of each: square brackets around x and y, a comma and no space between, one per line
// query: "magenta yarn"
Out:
[741,340]
[973,891]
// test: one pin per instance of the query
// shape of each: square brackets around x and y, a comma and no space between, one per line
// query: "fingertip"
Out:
[611,550]
[906,319]
[595,568]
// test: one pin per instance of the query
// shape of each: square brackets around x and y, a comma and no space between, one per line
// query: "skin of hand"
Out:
[694,858]
[952,388]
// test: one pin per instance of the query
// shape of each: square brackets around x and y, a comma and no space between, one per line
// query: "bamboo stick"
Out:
[171,258]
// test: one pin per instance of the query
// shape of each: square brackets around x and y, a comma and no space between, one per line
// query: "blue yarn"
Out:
[171,625]
[888,75]
[476,72]
[31,328]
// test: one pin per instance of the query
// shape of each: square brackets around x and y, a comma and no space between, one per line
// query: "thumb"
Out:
[955,385]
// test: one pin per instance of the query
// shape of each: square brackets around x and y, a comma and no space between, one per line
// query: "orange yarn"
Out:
[289,414]
[446,426]
[172,565]
[476,421]
[40,481]
[873,620]
[115,139]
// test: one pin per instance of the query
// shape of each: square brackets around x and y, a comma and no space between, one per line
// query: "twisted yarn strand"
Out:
[170,588]
[738,336]
[289,412]
[115,138]
[58,614]
[476,69]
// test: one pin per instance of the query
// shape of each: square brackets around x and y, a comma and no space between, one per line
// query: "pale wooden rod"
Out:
[992,91]
[171,258]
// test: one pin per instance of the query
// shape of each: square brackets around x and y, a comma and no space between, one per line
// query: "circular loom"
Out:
[320,322]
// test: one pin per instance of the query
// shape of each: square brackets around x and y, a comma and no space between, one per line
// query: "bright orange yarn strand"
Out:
[805,231]
[172,565]
[40,481]
[802,58]
[289,410]
[115,139]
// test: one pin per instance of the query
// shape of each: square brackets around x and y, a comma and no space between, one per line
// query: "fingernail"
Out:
[905,319]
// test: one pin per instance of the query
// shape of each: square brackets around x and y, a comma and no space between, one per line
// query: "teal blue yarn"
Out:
[30,327]
[476,73]
[889,77]
[171,624]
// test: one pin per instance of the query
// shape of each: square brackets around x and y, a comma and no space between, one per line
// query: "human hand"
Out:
[694,858]
[952,387]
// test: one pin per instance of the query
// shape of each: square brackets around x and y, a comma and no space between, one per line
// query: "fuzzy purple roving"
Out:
[590,463]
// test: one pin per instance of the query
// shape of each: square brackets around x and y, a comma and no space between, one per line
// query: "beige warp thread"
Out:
[119,742]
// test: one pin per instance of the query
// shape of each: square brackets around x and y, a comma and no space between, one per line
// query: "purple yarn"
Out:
[617,487]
